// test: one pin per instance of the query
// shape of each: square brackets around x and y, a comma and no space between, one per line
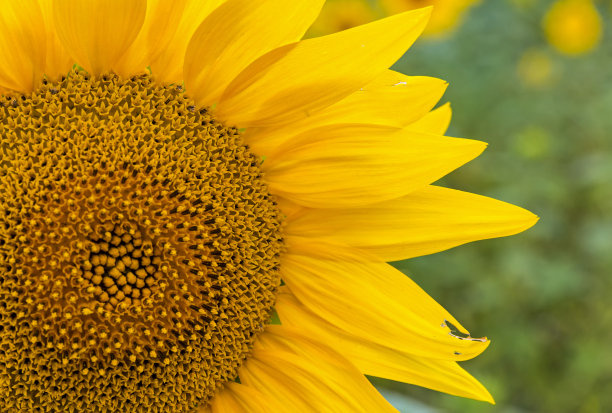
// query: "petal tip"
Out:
[485,396]
[474,148]
[425,11]
[530,219]
[523,219]
[423,15]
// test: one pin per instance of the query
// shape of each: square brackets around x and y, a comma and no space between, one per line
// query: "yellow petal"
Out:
[373,301]
[58,61]
[436,121]
[237,33]
[167,67]
[97,32]
[349,165]
[293,81]
[428,220]
[392,99]
[237,398]
[288,208]
[376,360]
[23,44]
[160,24]
[305,376]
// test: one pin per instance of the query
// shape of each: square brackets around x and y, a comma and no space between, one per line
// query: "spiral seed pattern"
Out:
[139,248]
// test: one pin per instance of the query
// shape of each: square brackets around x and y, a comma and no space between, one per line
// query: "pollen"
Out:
[139,248]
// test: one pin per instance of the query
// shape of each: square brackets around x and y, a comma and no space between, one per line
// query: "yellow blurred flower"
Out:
[447,14]
[338,15]
[535,68]
[573,27]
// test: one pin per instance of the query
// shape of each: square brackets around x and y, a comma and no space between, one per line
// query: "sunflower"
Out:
[197,210]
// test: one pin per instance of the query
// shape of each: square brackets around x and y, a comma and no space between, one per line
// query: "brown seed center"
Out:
[138,248]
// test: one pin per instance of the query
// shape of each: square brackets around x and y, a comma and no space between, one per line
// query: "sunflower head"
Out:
[138,243]
[174,172]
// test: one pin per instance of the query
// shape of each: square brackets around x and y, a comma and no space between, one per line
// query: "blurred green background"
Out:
[542,297]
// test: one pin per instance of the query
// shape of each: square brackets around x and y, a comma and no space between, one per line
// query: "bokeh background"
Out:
[534,80]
